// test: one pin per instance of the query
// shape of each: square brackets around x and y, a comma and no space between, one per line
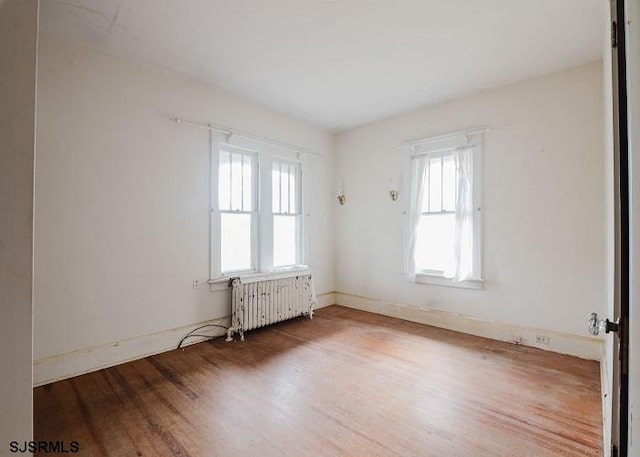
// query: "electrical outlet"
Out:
[196,283]
[541,339]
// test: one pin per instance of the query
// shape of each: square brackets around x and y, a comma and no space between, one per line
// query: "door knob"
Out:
[596,325]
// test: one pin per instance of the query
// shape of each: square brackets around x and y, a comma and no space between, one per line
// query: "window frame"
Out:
[442,145]
[427,195]
[298,214]
[254,213]
[262,221]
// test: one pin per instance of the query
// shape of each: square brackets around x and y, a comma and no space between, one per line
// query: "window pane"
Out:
[284,240]
[235,242]
[435,184]
[293,189]
[425,187]
[434,246]
[247,184]
[275,187]
[284,189]
[224,181]
[236,181]
[448,183]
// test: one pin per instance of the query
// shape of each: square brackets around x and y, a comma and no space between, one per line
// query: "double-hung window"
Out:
[443,236]
[256,210]
[286,180]
[237,203]
[434,252]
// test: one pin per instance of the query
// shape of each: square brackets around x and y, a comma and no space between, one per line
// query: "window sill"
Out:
[224,282]
[438,280]
[219,284]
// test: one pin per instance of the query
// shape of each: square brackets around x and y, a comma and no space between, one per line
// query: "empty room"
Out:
[314,227]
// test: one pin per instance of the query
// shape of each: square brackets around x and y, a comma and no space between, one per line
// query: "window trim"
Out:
[441,145]
[262,222]
[440,280]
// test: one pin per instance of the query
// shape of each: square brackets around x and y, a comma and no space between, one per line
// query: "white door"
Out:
[615,324]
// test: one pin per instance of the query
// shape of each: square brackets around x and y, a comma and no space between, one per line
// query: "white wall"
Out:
[122,200]
[543,203]
[19,34]
[122,203]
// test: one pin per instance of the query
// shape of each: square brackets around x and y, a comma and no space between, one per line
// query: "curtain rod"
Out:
[444,136]
[260,139]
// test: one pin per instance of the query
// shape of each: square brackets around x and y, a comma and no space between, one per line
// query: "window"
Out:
[435,241]
[287,214]
[237,205]
[256,210]
[444,215]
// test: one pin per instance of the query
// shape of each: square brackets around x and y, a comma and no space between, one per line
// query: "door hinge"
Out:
[614,34]
[611,327]
[623,333]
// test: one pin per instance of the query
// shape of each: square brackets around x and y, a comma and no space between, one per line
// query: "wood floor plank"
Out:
[345,383]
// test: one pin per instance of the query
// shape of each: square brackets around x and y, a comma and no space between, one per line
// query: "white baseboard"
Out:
[326,299]
[63,366]
[564,343]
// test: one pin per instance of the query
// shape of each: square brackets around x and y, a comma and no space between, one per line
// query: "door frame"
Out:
[620,382]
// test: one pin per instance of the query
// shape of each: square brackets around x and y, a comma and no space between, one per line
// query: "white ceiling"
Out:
[341,63]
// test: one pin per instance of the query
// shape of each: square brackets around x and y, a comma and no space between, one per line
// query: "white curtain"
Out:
[419,169]
[462,268]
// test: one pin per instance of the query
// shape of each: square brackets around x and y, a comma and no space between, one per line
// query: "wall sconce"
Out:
[393,189]
[341,196]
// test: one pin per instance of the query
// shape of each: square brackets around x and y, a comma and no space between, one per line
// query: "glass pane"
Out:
[284,190]
[247,184]
[275,187]
[235,242]
[425,186]
[284,240]
[448,183]
[293,189]
[236,181]
[224,181]
[435,184]
[434,246]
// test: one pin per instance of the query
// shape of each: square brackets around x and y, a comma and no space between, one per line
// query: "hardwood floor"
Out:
[347,383]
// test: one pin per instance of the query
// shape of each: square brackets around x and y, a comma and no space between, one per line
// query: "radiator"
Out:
[257,301]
